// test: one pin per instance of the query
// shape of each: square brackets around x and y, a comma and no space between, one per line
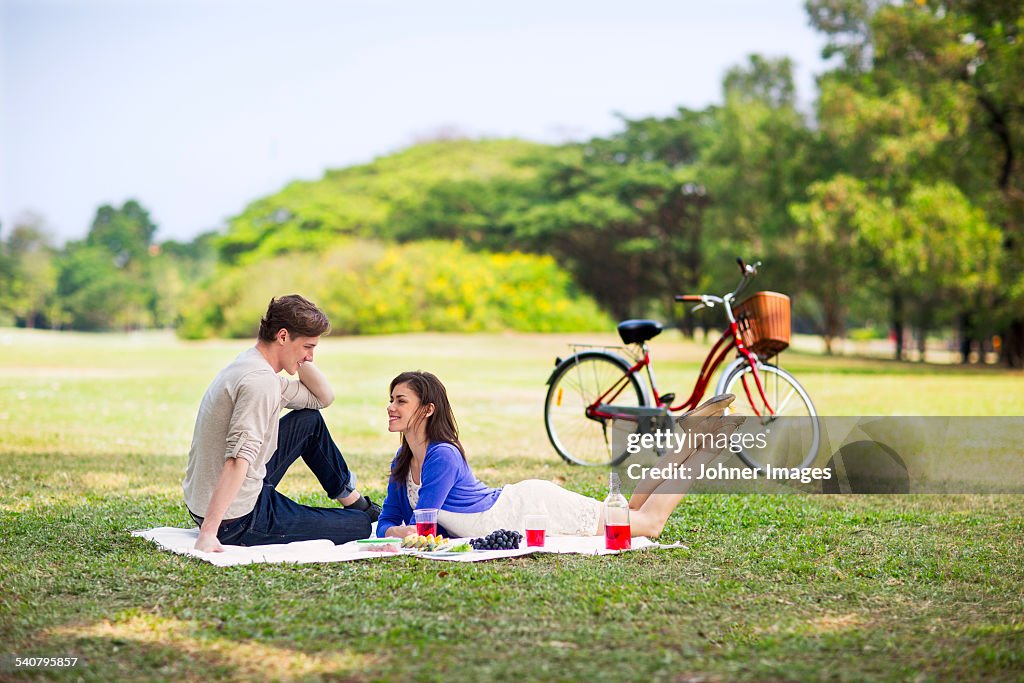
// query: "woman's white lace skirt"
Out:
[569,513]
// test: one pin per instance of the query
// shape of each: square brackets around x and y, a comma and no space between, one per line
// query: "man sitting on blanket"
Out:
[241,450]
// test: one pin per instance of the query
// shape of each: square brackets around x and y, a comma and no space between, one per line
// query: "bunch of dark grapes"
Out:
[501,539]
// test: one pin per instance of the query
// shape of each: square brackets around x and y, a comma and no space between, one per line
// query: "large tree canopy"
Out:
[416,193]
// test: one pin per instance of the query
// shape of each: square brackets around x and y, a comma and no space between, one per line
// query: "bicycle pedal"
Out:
[666,399]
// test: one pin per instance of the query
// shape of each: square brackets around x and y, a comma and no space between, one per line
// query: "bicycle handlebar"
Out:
[748,270]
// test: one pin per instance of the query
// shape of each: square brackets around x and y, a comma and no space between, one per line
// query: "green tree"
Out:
[848,24]
[761,158]
[673,147]
[764,80]
[127,233]
[175,270]
[115,278]
[929,255]
[828,241]
[434,189]
[626,227]
[931,92]
[6,280]
[99,294]
[28,257]
[892,142]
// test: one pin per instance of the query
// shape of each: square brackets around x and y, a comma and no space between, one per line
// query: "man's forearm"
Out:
[224,493]
[316,382]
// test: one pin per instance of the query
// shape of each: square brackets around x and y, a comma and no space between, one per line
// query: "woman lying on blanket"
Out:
[430,471]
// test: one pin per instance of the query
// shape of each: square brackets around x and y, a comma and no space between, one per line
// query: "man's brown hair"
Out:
[298,315]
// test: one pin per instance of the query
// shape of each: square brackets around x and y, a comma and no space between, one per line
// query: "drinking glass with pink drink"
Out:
[426,521]
[536,526]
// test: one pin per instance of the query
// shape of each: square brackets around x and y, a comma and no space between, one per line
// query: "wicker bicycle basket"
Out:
[763,319]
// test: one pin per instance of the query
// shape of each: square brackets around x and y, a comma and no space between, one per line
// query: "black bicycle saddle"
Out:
[639,331]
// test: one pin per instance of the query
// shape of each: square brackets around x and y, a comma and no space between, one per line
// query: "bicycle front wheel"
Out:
[783,414]
[578,383]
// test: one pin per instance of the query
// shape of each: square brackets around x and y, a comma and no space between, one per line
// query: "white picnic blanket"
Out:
[182,542]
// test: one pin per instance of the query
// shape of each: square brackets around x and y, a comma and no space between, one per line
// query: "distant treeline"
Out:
[898,205]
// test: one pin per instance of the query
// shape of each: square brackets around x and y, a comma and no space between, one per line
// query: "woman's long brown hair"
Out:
[441,426]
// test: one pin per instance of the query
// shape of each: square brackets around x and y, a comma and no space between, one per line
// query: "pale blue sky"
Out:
[195,108]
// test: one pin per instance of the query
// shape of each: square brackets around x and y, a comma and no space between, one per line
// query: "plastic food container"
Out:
[380,545]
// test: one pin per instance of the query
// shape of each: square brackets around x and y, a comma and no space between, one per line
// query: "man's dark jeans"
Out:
[278,519]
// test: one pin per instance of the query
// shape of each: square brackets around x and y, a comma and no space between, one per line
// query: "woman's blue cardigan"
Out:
[447,484]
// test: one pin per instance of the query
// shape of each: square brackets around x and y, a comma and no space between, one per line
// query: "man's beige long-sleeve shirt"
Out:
[238,418]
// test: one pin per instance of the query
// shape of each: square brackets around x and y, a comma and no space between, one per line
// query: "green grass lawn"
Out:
[94,432]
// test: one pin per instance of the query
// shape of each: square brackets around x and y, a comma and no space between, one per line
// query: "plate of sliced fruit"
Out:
[435,544]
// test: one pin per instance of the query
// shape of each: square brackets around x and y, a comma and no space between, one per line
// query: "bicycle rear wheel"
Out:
[791,429]
[576,384]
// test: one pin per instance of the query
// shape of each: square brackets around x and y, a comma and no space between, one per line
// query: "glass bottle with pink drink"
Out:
[616,517]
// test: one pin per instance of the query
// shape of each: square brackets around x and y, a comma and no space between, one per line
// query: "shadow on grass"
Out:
[143,646]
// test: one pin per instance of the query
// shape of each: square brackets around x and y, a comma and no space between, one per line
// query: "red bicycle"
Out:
[597,385]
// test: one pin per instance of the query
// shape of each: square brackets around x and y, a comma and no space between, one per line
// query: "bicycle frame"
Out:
[730,339]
